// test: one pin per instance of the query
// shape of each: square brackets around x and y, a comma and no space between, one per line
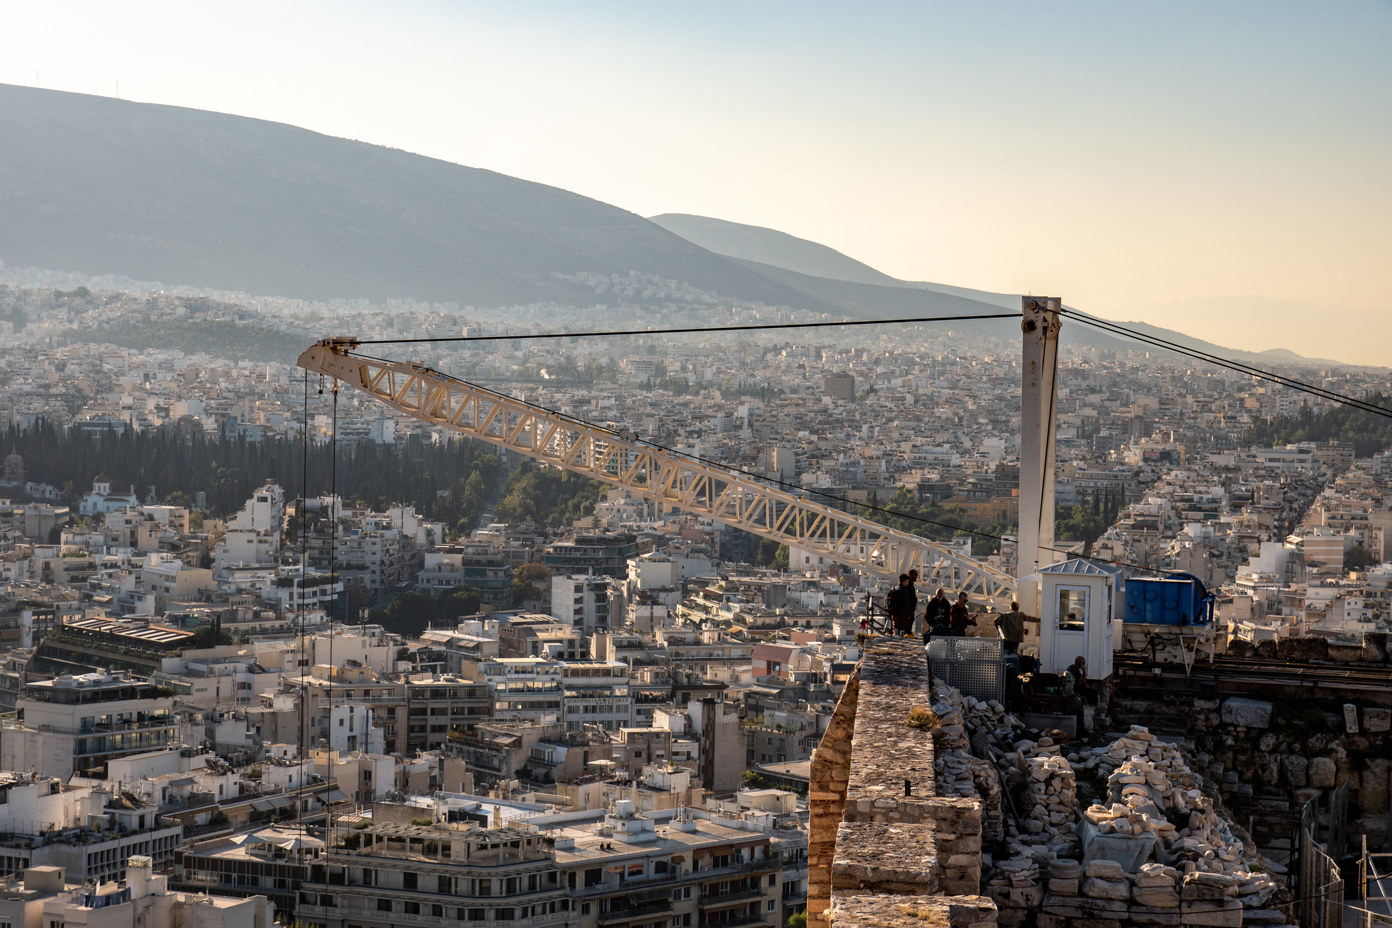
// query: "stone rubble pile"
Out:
[1053,791]
[1152,788]
[960,772]
[1139,743]
[952,759]
[1015,882]
[1153,807]
[992,727]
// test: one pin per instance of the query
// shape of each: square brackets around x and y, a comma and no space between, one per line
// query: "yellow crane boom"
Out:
[622,459]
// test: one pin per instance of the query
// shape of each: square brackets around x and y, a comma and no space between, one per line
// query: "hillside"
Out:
[789,253]
[158,193]
[99,186]
[1368,432]
[812,268]
[771,247]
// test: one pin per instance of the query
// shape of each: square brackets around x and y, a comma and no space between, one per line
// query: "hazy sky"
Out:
[1220,168]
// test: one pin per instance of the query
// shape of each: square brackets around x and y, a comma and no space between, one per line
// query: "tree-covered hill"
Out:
[221,338]
[548,497]
[1368,432]
[450,482]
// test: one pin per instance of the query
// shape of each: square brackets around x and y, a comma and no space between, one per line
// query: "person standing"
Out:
[911,599]
[1012,629]
[936,614]
[900,605]
[960,618]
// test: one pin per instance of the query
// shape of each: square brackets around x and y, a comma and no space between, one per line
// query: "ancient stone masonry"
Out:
[1272,757]
[1152,849]
[905,847]
[920,796]
[829,774]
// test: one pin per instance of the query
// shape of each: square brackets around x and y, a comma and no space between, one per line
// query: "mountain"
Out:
[781,250]
[768,246]
[104,186]
[860,290]
[159,193]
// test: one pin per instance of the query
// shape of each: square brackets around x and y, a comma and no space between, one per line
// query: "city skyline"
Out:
[1220,171]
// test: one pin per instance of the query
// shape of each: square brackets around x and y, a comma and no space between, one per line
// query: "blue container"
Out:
[1179,599]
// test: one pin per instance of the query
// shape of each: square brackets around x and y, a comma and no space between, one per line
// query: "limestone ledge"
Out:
[854,910]
[887,858]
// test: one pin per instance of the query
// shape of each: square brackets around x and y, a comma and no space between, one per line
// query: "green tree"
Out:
[1368,432]
[930,520]
[1076,523]
[209,636]
[408,613]
[547,496]
[780,557]
[460,601]
[531,581]
[1359,558]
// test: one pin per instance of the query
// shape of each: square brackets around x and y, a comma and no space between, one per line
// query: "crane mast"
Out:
[622,459]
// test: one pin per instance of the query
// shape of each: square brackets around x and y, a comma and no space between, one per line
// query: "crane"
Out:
[622,459]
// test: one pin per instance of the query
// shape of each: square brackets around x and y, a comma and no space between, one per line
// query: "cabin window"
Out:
[1072,608]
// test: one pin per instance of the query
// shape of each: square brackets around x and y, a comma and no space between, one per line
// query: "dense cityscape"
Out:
[256,686]
[613,465]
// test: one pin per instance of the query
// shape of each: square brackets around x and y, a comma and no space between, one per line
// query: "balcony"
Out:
[749,866]
[101,728]
[710,900]
[633,885]
[645,910]
[739,920]
[371,914]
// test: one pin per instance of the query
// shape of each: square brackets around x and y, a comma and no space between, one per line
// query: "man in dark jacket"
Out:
[936,615]
[960,618]
[900,605]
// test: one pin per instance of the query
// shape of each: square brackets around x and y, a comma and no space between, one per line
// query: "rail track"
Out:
[1234,676]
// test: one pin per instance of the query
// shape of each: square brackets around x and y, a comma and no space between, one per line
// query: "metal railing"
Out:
[641,910]
[732,896]
[1374,888]
[1319,888]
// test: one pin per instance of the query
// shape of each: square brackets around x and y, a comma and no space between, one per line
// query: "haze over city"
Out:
[1217,170]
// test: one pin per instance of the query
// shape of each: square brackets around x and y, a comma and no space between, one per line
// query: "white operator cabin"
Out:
[1080,609]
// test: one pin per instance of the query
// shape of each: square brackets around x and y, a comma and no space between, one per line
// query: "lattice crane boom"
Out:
[622,459]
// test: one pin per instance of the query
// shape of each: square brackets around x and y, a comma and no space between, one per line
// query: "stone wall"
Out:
[1273,756]
[1277,748]
[888,846]
[826,798]
[1376,648]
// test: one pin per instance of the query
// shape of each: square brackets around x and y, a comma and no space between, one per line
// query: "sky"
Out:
[1223,169]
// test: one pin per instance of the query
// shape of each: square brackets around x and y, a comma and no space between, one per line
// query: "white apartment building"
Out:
[314,592]
[253,535]
[145,900]
[581,602]
[76,724]
[351,729]
[524,689]
[596,693]
[168,578]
